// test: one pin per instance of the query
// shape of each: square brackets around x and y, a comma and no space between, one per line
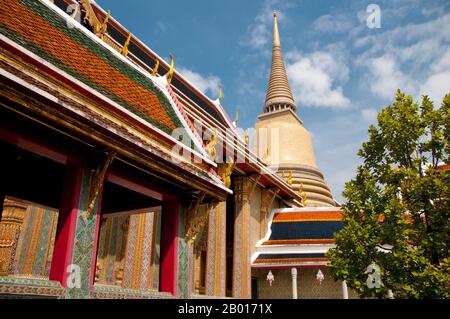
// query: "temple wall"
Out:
[29,232]
[35,246]
[307,285]
[128,252]
[255,218]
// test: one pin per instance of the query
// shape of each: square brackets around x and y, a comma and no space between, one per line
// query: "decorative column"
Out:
[185,258]
[10,224]
[195,222]
[344,290]
[216,253]
[294,283]
[74,256]
[243,188]
[268,196]
[67,220]
[169,245]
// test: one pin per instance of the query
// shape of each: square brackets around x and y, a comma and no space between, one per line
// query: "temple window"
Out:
[129,240]
[31,192]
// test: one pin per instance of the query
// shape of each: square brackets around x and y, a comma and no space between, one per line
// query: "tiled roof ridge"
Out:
[185,117]
[102,54]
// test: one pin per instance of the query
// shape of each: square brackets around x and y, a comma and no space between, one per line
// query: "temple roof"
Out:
[85,73]
[279,92]
[298,236]
[81,76]
[35,27]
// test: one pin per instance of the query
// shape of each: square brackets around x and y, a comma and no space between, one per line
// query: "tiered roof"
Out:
[46,52]
[87,85]
[298,237]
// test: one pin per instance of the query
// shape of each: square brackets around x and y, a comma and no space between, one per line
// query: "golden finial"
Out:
[211,146]
[126,45]
[226,177]
[302,194]
[220,93]
[237,117]
[289,180]
[104,26]
[172,67]
[155,69]
[246,136]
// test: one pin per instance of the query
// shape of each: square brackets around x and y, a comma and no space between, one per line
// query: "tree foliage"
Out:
[397,207]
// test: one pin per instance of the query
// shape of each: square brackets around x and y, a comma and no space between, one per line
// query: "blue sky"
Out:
[341,71]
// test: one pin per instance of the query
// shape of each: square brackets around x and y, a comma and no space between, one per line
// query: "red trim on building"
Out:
[169,245]
[67,221]
[33,146]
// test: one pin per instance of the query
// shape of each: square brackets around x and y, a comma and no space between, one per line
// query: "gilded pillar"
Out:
[243,188]
[268,196]
[216,253]
[10,224]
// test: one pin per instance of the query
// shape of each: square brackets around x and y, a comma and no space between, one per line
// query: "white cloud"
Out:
[209,83]
[259,36]
[313,79]
[413,57]
[332,23]
[259,33]
[443,62]
[162,27]
[436,86]
[369,115]
[386,77]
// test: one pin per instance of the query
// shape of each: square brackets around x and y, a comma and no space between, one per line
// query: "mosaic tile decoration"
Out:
[184,282]
[83,248]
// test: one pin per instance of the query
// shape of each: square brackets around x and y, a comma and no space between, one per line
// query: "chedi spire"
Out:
[279,94]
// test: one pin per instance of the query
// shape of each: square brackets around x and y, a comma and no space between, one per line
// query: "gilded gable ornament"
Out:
[171,70]
[290,179]
[211,146]
[226,177]
[301,192]
[124,50]
[155,69]
[104,26]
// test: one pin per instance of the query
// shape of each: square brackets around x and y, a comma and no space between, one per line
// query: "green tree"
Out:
[397,210]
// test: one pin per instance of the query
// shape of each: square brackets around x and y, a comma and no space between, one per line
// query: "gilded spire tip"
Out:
[279,94]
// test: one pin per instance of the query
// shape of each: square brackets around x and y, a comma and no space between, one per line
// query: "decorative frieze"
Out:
[10,224]
[216,253]
[243,189]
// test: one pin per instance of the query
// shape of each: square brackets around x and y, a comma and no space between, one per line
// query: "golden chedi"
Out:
[280,132]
